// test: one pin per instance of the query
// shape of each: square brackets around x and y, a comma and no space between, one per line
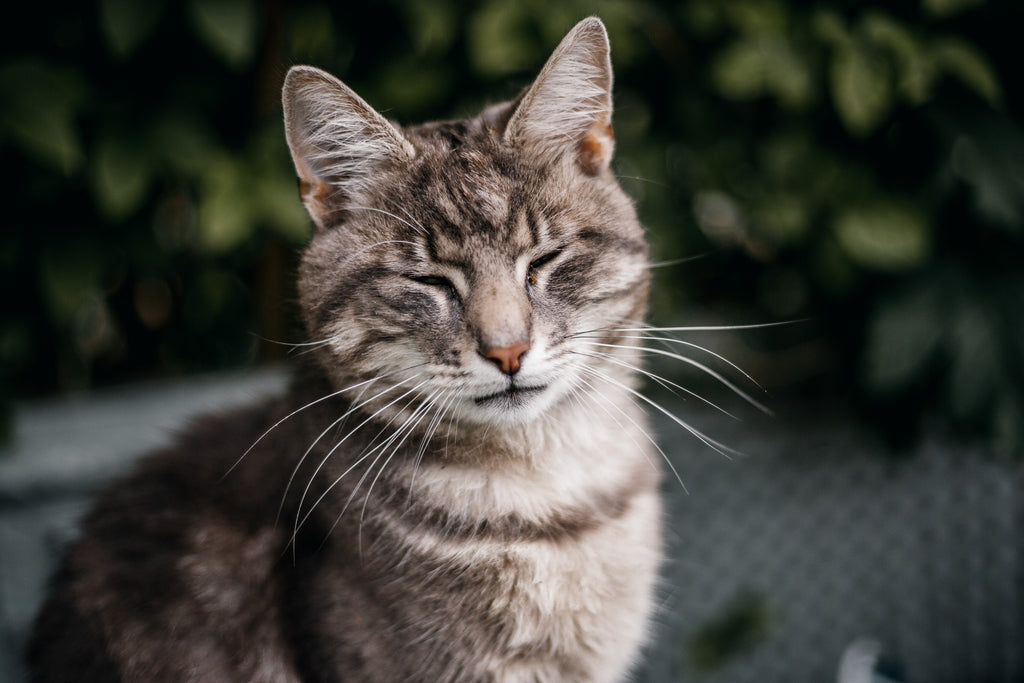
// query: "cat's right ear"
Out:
[337,140]
[567,112]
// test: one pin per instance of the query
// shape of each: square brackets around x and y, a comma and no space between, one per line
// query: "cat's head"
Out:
[472,266]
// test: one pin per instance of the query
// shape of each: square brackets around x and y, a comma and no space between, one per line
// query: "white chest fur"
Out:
[587,602]
[572,605]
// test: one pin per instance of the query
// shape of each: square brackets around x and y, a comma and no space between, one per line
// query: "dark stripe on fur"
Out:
[328,308]
[566,524]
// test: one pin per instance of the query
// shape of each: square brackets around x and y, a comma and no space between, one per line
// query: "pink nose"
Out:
[507,357]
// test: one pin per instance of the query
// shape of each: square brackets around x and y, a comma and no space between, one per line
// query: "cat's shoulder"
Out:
[175,550]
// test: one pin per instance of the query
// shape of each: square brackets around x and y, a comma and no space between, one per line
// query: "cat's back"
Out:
[181,556]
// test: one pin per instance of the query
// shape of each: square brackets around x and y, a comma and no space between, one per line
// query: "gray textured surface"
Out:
[811,532]
[836,544]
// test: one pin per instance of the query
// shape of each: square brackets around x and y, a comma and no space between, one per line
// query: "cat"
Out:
[458,484]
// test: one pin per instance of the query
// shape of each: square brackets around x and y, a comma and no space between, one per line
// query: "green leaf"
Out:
[885,235]
[126,23]
[829,26]
[228,27]
[789,77]
[224,216]
[752,67]
[223,226]
[861,87]
[120,174]
[38,111]
[915,68]
[738,70]
[902,336]
[962,60]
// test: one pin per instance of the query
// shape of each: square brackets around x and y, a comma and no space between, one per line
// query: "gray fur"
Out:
[458,486]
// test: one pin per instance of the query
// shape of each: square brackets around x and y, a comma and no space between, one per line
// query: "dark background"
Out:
[857,164]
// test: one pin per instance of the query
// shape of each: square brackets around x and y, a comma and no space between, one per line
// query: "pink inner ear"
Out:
[316,197]
[595,149]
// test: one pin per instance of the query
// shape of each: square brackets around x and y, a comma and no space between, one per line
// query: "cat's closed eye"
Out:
[432,280]
[537,264]
[438,281]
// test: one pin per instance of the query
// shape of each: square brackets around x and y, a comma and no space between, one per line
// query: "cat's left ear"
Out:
[568,109]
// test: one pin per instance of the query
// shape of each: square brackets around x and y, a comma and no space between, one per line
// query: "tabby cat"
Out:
[458,484]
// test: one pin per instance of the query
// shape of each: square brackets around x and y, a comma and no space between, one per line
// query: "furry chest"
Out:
[573,608]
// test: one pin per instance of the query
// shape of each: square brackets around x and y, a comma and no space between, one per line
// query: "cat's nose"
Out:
[507,358]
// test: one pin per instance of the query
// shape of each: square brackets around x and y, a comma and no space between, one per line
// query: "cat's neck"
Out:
[566,462]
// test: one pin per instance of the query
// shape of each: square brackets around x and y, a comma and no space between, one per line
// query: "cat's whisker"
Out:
[707,440]
[711,328]
[302,408]
[416,228]
[404,431]
[667,383]
[419,414]
[331,452]
[452,424]
[682,342]
[382,243]
[689,361]
[634,327]
[441,413]
[679,261]
[357,404]
[365,454]
[656,183]
[369,449]
[594,394]
[296,345]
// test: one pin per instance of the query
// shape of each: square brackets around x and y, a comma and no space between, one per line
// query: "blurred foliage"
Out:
[861,164]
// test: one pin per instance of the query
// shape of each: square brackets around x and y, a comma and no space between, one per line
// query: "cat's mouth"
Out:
[511,397]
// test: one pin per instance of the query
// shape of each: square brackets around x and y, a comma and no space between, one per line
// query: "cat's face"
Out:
[473,266]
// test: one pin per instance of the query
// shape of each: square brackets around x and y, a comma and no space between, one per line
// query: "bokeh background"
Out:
[857,163]
[855,166]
